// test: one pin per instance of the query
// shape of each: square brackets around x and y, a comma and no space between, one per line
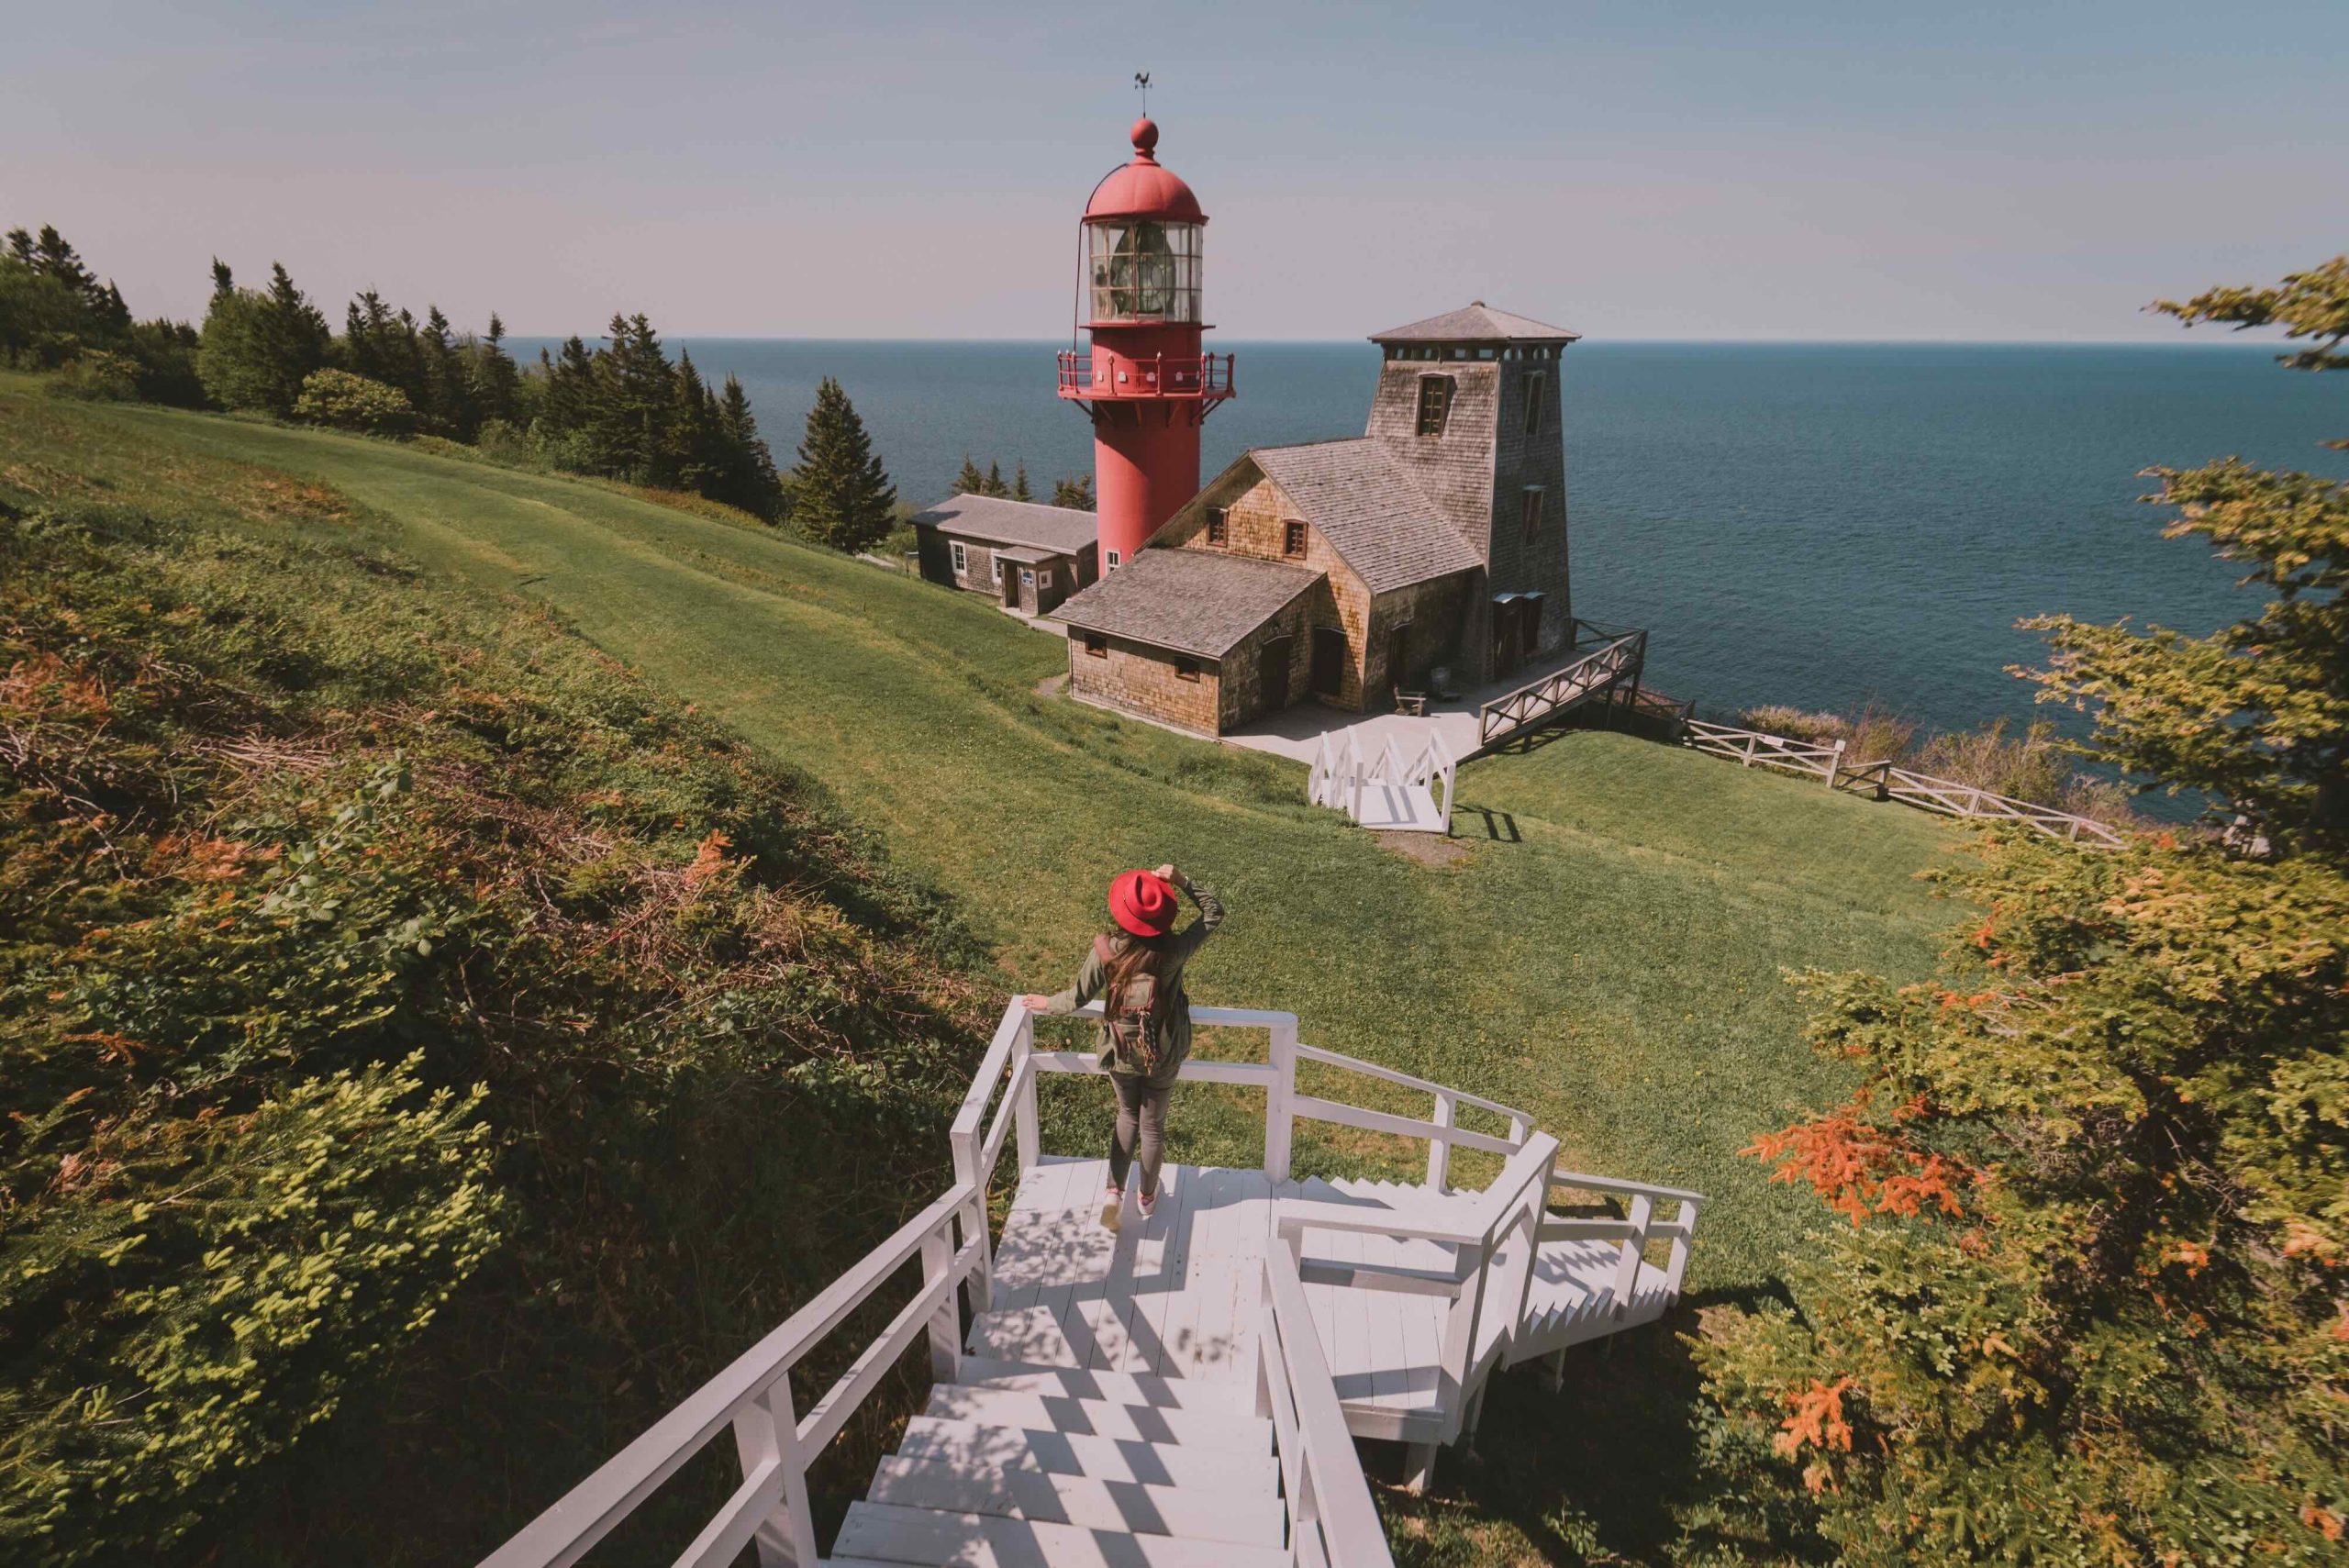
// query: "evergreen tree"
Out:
[748,478]
[258,346]
[448,409]
[1075,493]
[492,384]
[1020,491]
[970,482]
[634,397]
[568,405]
[995,485]
[840,495]
[694,456]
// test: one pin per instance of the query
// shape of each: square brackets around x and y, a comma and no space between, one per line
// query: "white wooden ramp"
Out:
[1373,784]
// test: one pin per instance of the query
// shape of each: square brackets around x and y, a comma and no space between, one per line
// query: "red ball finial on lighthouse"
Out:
[1146,139]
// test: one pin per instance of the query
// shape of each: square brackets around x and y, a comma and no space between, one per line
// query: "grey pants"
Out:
[1142,1119]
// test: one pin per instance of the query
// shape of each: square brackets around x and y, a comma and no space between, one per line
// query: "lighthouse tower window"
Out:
[1534,404]
[1435,403]
[1140,270]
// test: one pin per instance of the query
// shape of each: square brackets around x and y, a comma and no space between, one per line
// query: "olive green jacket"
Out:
[1175,1030]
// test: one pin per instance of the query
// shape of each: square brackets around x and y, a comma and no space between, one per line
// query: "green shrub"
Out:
[342,401]
[278,812]
[97,376]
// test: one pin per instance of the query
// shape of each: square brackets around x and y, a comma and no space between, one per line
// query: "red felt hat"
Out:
[1142,902]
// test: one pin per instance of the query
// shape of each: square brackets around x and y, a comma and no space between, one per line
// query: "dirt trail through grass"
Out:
[1607,954]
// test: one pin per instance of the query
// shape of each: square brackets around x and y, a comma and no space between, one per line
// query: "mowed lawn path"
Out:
[1606,953]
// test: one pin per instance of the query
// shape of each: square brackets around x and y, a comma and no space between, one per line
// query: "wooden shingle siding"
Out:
[1255,524]
[1143,680]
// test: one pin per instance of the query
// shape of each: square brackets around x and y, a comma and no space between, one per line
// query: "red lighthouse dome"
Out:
[1144,381]
[1143,189]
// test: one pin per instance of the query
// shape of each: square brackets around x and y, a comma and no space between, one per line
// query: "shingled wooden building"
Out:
[1346,569]
[1024,556]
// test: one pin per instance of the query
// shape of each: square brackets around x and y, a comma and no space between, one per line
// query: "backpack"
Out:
[1130,1020]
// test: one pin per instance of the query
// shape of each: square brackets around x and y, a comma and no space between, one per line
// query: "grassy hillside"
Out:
[1607,952]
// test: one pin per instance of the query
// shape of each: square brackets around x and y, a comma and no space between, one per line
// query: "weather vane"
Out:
[1142,86]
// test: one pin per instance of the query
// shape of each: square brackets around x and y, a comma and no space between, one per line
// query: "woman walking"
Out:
[1136,969]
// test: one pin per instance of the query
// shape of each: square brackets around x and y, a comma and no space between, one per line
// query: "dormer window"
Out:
[1435,403]
[1533,385]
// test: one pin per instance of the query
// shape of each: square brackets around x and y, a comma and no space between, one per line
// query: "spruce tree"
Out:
[970,482]
[1020,491]
[748,478]
[491,381]
[995,485]
[1075,493]
[840,495]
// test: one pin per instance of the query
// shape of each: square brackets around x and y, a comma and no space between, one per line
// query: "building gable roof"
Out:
[1475,323]
[1061,529]
[1364,504]
[1192,601]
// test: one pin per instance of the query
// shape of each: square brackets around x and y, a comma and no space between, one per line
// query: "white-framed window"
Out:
[1044,578]
[961,560]
[1115,561]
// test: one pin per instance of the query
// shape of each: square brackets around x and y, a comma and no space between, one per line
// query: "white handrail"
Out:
[1327,1499]
[753,1394]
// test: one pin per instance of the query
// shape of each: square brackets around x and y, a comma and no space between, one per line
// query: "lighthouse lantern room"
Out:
[1144,380]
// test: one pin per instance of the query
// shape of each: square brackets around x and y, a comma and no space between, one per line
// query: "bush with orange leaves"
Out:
[2086,1295]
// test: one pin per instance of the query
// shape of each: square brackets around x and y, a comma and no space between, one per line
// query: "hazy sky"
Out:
[1753,170]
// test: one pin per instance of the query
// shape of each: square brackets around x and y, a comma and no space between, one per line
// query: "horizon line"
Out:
[2182,340]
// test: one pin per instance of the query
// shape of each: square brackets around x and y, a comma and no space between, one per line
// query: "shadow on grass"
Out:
[1499,826]
[1605,1471]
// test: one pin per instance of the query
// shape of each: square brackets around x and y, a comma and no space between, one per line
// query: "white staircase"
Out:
[1019,1464]
[1378,789]
[1182,1391]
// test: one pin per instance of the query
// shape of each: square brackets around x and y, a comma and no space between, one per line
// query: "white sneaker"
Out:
[1112,1200]
[1147,1203]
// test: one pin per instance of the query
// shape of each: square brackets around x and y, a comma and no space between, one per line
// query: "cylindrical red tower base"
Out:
[1145,464]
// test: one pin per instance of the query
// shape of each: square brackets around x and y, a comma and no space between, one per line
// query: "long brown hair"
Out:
[1130,957]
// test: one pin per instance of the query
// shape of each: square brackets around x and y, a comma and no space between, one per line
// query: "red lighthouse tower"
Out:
[1144,381]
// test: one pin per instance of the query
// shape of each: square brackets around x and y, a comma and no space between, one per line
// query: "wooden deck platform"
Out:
[1179,1295]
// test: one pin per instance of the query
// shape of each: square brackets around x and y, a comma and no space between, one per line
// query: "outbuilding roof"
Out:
[1064,531]
[1364,504]
[1192,601]
[1475,323]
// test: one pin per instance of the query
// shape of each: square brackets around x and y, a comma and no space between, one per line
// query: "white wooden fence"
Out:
[1755,748]
[1751,748]
[1951,798]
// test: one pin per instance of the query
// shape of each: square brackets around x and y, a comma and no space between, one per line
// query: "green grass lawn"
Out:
[1607,952]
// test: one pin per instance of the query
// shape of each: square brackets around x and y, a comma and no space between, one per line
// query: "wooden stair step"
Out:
[1226,1430]
[1030,1335]
[881,1533]
[1118,1387]
[1209,1513]
[965,1443]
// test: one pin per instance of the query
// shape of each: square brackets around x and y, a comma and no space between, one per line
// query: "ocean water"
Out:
[1816,523]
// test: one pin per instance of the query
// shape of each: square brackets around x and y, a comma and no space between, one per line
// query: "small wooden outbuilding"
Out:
[1026,557]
